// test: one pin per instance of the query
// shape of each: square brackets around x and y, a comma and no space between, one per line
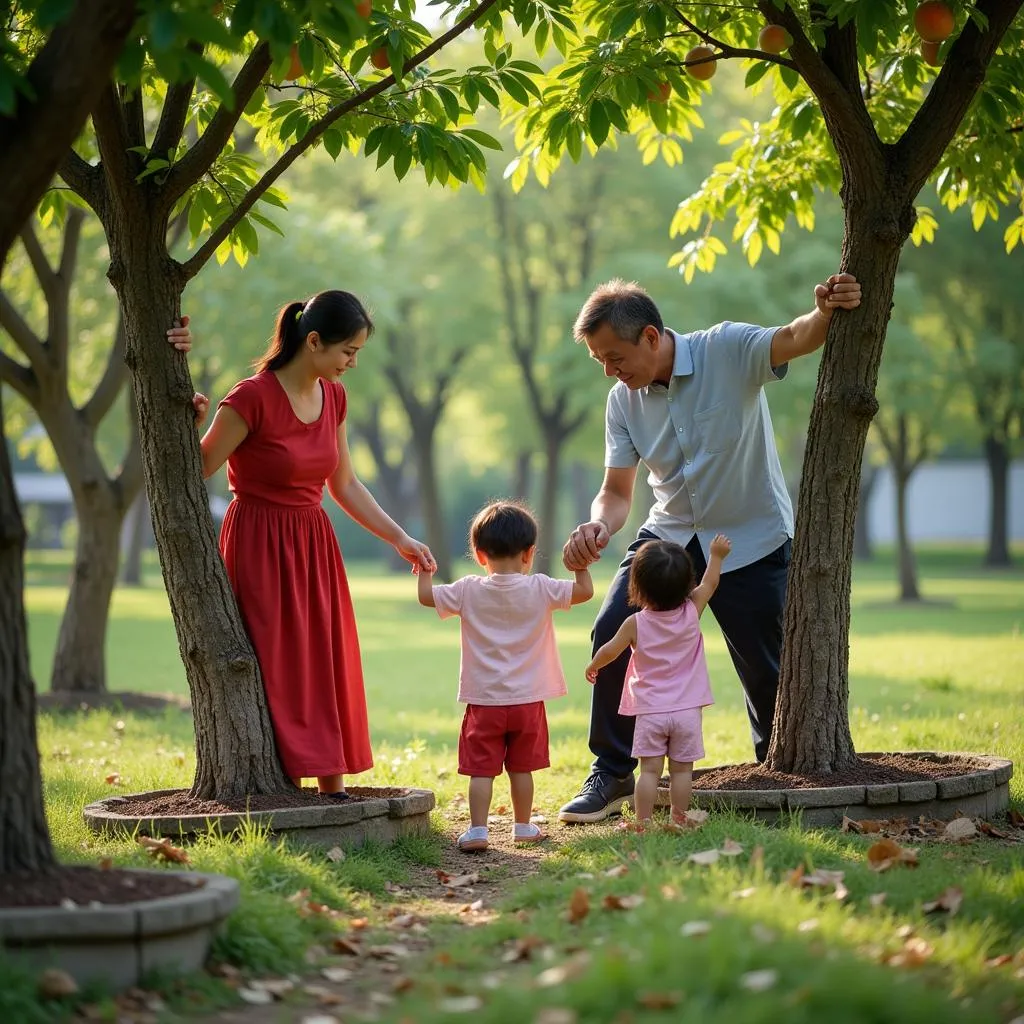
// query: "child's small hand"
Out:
[721,545]
[591,673]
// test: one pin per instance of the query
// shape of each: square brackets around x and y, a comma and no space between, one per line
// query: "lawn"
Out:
[729,942]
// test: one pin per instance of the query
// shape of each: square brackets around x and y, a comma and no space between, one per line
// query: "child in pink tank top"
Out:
[667,683]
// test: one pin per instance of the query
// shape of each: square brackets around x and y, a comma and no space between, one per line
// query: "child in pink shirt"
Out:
[510,663]
[667,683]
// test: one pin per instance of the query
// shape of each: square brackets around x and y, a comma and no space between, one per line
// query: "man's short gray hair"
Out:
[623,305]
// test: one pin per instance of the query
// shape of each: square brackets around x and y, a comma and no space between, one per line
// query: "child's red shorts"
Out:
[511,736]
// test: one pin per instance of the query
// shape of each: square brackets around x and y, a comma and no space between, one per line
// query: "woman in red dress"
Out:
[282,433]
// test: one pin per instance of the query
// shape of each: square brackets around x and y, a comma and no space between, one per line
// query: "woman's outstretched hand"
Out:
[416,554]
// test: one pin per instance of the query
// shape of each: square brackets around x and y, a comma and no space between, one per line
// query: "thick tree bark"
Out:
[235,750]
[997,458]
[863,549]
[79,663]
[811,731]
[24,837]
[522,478]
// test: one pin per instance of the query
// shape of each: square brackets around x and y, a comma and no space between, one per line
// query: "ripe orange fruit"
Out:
[295,68]
[363,8]
[934,21]
[661,93]
[379,59]
[774,39]
[701,71]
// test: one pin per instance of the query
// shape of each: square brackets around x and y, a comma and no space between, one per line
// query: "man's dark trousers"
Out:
[748,606]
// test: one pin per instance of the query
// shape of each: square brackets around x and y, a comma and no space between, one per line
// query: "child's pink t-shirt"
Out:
[668,670]
[509,654]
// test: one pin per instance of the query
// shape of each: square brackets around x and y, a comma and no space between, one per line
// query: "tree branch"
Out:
[21,378]
[210,246]
[963,71]
[200,157]
[64,80]
[114,142]
[69,251]
[129,478]
[23,336]
[40,264]
[83,178]
[110,384]
[726,49]
[134,116]
[173,117]
[59,304]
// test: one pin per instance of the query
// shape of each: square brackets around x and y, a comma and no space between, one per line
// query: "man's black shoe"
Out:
[601,796]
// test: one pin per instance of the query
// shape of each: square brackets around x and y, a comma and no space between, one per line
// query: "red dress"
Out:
[285,568]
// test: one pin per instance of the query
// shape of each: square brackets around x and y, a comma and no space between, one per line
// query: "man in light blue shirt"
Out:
[692,408]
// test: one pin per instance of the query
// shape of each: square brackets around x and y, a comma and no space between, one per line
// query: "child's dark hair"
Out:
[661,576]
[335,315]
[503,529]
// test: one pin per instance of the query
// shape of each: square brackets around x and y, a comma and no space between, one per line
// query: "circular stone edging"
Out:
[982,792]
[351,823]
[117,944]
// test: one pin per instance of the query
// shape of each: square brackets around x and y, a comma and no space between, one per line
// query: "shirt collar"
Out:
[682,365]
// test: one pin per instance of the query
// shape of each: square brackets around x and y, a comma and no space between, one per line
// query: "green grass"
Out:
[943,676]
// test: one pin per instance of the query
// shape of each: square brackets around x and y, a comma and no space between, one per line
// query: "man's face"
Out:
[634,363]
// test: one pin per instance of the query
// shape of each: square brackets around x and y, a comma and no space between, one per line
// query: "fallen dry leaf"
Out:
[323,995]
[163,849]
[756,861]
[501,809]
[458,881]
[106,863]
[357,924]
[914,953]
[579,906]
[861,827]
[949,902]
[669,892]
[348,947]
[522,949]
[990,830]
[255,996]
[113,779]
[335,854]
[277,987]
[395,949]
[960,829]
[659,1000]
[809,925]
[759,981]
[561,973]
[704,857]
[614,902]
[402,984]
[876,899]
[1015,817]
[999,961]
[56,984]
[618,871]
[337,975]
[886,852]
[730,848]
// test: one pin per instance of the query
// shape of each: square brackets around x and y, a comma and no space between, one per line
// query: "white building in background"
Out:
[946,501]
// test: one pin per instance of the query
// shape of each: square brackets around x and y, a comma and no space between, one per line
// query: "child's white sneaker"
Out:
[473,840]
[527,832]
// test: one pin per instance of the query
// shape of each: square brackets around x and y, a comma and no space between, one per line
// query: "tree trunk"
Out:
[997,458]
[863,550]
[430,496]
[904,550]
[235,750]
[811,731]
[24,837]
[582,491]
[553,442]
[79,663]
[135,532]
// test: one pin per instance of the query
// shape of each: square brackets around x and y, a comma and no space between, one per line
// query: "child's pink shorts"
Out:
[675,733]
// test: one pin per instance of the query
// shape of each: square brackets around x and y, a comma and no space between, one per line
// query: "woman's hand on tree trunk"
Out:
[201,404]
[180,336]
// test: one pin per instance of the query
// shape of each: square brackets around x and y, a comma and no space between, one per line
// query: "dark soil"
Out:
[875,771]
[146,703]
[85,886]
[180,802]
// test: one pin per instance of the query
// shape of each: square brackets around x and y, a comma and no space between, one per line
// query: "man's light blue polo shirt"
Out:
[708,443]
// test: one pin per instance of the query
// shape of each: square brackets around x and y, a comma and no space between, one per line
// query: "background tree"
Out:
[859,111]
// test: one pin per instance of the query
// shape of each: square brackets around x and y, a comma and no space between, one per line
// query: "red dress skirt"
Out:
[285,568]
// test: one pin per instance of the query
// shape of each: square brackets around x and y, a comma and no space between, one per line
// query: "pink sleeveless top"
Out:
[668,671]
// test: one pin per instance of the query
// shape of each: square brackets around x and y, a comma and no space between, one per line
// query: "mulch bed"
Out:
[875,771]
[87,887]
[180,803]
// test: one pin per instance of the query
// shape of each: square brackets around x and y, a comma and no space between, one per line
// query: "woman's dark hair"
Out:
[335,315]
[503,529]
[661,576]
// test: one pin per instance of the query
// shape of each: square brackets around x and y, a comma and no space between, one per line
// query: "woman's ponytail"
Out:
[288,337]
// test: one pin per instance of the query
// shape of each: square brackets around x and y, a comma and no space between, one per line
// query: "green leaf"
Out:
[598,122]
[450,102]
[623,21]
[757,72]
[482,138]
